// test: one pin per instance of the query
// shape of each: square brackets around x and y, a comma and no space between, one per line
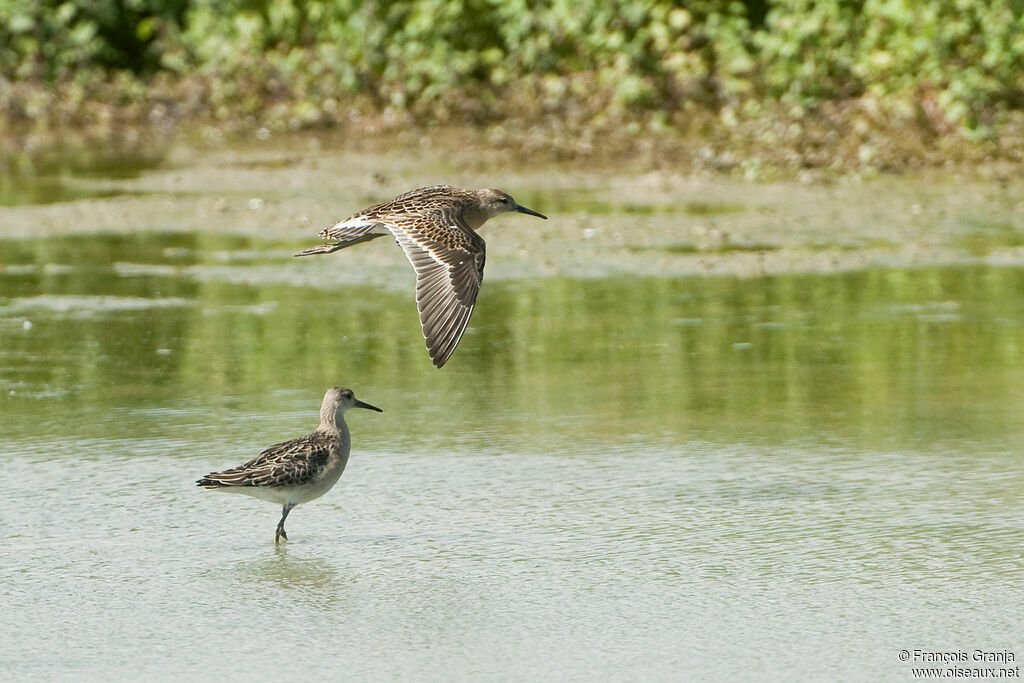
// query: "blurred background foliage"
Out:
[766,71]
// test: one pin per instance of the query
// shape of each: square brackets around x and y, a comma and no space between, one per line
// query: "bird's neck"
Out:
[474,217]
[333,425]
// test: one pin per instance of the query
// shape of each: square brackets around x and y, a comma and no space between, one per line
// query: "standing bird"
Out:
[435,226]
[299,470]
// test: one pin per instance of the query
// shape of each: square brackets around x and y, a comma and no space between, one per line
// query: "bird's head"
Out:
[492,203]
[339,399]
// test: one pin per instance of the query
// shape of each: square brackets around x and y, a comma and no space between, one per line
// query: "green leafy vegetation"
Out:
[882,83]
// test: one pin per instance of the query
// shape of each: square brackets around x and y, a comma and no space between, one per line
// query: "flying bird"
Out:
[436,227]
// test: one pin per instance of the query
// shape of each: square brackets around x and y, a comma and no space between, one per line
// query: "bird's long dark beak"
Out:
[530,212]
[360,404]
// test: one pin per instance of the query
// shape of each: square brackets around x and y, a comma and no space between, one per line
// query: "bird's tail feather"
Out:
[341,244]
[322,249]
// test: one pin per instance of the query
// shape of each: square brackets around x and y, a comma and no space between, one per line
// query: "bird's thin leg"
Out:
[279,534]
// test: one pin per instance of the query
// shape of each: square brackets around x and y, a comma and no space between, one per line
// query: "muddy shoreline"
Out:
[615,216]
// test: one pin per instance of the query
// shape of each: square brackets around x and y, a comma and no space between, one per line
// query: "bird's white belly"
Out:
[362,222]
[285,495]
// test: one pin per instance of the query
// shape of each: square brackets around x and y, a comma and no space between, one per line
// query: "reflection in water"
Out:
[922,355]
[622,478]
[69,173]
[292,574]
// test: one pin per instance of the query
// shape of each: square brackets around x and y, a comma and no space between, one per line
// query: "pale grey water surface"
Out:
[623,478]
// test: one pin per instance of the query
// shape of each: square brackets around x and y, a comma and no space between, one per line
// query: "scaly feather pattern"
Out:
[290,463]
[436,228]
[300,470]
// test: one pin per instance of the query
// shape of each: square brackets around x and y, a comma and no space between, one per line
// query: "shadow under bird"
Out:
[436,227]
[299,470]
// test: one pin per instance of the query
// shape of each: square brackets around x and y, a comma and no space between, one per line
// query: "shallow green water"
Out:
[787,478]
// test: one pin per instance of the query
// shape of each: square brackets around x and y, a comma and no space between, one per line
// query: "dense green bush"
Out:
[953,66]
[51,40]
[418,53]
[966,55]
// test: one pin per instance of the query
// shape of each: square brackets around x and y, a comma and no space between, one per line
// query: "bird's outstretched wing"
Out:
[449,261]
[291,463]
